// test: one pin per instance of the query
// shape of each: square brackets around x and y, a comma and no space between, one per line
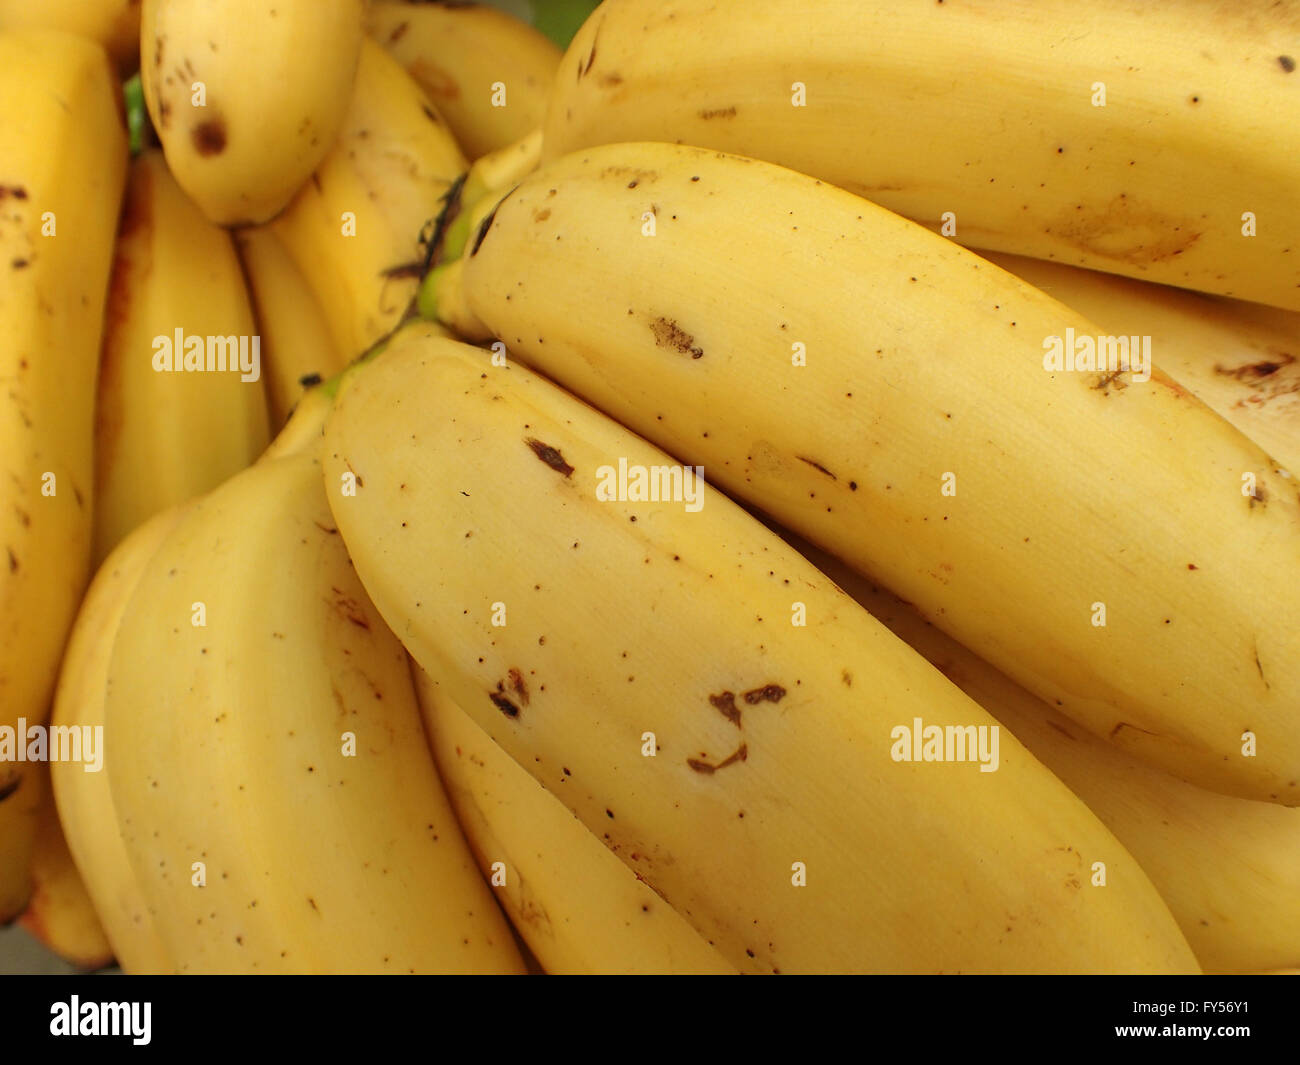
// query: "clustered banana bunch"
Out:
[592,513]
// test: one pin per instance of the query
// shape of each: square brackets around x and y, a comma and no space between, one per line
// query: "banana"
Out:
[62,167]
[1108,542]
[277,799]
[1228,868]
[61,914]
[1160,144]
[468,497]
[84,799]
[115,24]
[247,97]
[297,345]
[488,73]
[21,800]
[355,229]
[182,404]
[1241,359]
[578,907]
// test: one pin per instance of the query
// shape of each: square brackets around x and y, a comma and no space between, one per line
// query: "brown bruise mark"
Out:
[434,80]
[542,215]
[1286,63]
[209,136]
[1260,496]
[403,271]
[350,609]
[1104,381]
[668,334]
[550,456]
[399,31]
[610,81]
[817,466]
[718,112]
[13,560]
[1260,667]
[725,703]
[1124,231]
[431,114]
[1124,724]
[18,192]
[518,684]
[768,693]
[9,787]
[740,754]
[1254,372]
[503,704]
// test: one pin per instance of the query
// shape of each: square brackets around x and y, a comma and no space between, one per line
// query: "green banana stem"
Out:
[137,117]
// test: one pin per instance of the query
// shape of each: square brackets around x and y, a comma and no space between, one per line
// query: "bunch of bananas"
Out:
[594,512]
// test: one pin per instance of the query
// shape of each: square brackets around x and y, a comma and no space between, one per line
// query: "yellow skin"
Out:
[922,361]
[1228,868]
[85,801]
[64,153]
[459,54]
[1241,359]
[394,161]
[115,24]
[230,746]
[164,437]
[61,914]
[296,340]
[579,909]
[277,79]
[483,512]
[986,110]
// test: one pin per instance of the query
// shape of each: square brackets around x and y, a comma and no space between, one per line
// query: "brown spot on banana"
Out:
[549,455]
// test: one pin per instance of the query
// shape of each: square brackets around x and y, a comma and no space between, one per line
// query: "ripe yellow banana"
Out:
[296,339]
[1109,542]
[1161,143]
[22,797]
[488,73]
[1241,359]
[115,24]
[355,229]
[182,404]
[579,909]
[61,914]
[247,97]
[739,763]
[276,795]
[1228,868]
[62,166]
[85,800]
